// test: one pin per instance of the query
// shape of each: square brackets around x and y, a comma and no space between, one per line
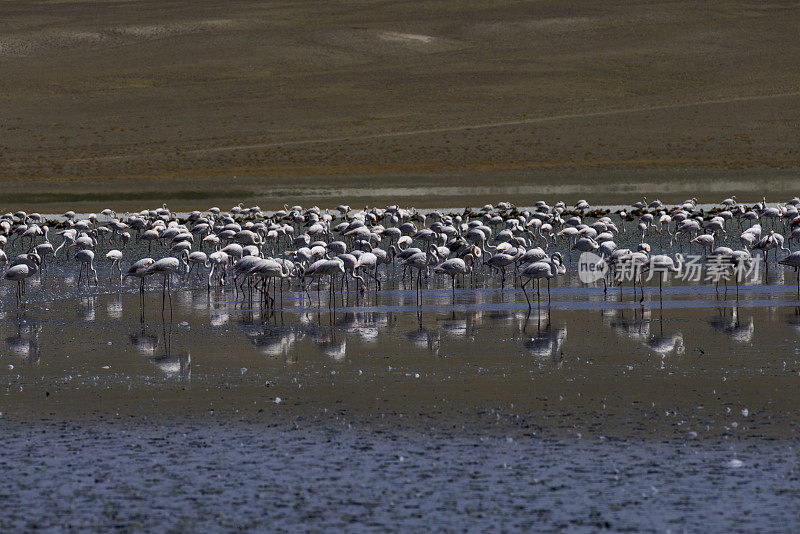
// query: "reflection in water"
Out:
[220,319]
[425,339]
[172,365]
[635,326]
[774,276]
[145,343]
[114,308]
[24,344]
[793,319]
[273,341]
[366,325]
[337,350]
[286,336]
[665,344]
[547,343]
[728,322]
[86,309]
[455,327]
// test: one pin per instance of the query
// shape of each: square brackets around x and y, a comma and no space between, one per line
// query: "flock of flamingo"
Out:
[257,251]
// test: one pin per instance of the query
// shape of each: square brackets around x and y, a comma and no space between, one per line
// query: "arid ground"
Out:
[427,103]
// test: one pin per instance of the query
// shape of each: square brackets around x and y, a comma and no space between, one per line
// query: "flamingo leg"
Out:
[419,282]
[169,294]
[163,297]
[526,293]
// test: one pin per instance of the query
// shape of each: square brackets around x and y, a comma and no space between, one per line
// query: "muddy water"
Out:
[522,188]
[587,364]
[593,411]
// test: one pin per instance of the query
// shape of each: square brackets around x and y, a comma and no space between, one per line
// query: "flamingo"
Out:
[350,264]
[454,267]
[420,261]
[69,237]
[86,259]
[21,272]
[196,259]
[501,260]
[318,270]
[218,261]
[266,270]
[115,256]
[140,270]
[546,269]
[369,262]
[662,264]
[770,241]
[793,260]
[166,267]
[706,241]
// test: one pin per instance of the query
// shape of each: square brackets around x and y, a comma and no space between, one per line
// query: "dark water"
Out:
[215,475]
[469,412]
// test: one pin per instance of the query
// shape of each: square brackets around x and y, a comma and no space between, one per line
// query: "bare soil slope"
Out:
[116,103]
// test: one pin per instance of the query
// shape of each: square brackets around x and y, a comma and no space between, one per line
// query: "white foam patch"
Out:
[406,37]
[43,42]
[150,31]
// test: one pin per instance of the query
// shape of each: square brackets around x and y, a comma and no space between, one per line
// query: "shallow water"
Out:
[616,367]
[224,475]
[594,410]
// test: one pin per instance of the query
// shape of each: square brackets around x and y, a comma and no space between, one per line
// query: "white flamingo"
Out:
[546,269]
[115,256]
[86,259]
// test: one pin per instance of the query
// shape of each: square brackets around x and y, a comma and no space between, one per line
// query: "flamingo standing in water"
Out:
[454,267]
[793,260]
[69,235]
[420,261]
[139,270]
[369,262]
[661,264]
[196,259]
[218,261]
[21,272]
[501,260]
[86,259]
[115,256]
[166,267]
[546,269]
[350,263]
[321,268]
[269,270]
